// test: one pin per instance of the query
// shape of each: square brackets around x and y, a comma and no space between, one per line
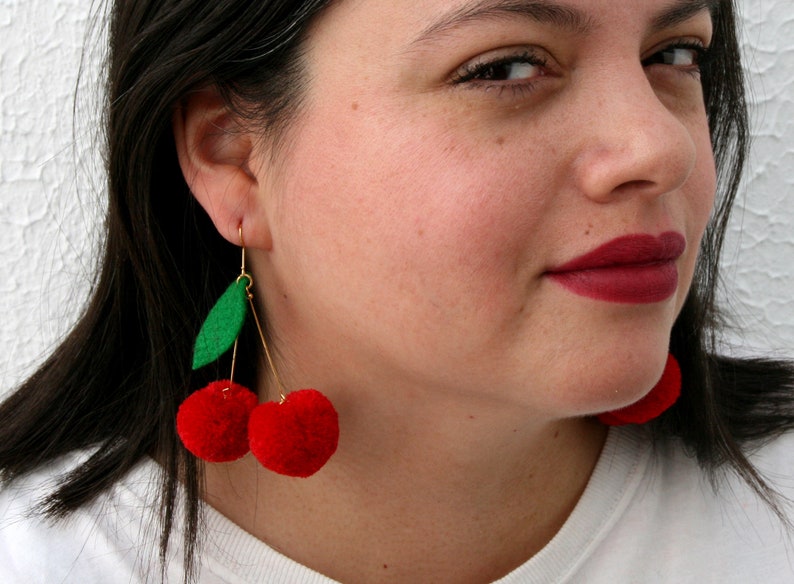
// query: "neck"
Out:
[419,491]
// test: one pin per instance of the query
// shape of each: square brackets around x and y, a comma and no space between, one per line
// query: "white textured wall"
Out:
[759,265]
[48,203]
[45,227]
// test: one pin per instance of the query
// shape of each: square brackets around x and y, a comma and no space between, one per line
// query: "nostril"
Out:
[635,185]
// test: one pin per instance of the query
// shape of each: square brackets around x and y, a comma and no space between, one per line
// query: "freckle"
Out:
[557,433]
[500,140]
[385,566]
[471,417]
[420,232]
[354,106]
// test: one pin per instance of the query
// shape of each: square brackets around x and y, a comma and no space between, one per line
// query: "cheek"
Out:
[424,214]
[704,183]
[698,196]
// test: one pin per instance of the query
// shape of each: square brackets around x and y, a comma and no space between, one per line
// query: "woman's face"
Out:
[439,209]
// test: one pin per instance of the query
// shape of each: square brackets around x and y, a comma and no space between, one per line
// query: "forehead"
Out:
[575,15]
[429,20]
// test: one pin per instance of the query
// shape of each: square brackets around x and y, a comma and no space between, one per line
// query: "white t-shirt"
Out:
[647,516]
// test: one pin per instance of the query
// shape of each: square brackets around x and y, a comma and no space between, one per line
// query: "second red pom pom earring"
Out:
[221,422]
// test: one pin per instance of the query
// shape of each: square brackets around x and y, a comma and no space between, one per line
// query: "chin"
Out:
[607,380]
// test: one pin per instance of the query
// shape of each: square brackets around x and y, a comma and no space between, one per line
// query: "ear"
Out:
[215,154]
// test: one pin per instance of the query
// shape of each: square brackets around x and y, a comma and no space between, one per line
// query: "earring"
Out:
[221,422]
[663,395]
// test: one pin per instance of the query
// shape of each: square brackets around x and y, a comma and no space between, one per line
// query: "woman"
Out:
[476,227]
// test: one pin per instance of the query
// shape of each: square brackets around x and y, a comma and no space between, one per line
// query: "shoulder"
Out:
[113,539]
[116,538]
[775,461]
[682,526]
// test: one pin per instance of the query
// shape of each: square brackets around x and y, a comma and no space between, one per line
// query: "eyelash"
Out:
[702,55]
[482,73]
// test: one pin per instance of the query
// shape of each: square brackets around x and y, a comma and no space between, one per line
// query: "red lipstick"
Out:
[633,269]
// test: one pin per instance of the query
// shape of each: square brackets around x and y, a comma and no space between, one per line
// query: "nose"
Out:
[631,142]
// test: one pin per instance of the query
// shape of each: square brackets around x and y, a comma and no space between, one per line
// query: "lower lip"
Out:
[629,284]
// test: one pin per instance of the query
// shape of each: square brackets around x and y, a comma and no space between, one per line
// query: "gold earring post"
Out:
[250,296]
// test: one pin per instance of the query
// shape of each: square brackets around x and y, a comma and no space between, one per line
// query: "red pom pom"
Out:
[660,398]
[296,437]
[213,423]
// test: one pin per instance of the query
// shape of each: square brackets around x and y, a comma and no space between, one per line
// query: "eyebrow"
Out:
[680,12]
[550,12]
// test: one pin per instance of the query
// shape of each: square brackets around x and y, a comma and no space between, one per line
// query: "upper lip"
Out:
[628,250]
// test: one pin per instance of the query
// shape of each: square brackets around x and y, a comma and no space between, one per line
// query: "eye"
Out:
[520,67]
[686,56]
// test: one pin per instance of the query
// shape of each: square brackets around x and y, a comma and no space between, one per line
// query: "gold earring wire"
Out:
[250,296]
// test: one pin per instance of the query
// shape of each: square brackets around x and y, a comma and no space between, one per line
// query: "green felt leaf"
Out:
[222,325]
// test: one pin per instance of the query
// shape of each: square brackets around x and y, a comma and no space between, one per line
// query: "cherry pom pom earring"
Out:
[223,421]
[663,395]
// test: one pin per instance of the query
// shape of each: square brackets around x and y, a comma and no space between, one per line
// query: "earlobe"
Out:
[215,155]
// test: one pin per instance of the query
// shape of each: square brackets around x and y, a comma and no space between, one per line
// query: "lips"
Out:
[634,269]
